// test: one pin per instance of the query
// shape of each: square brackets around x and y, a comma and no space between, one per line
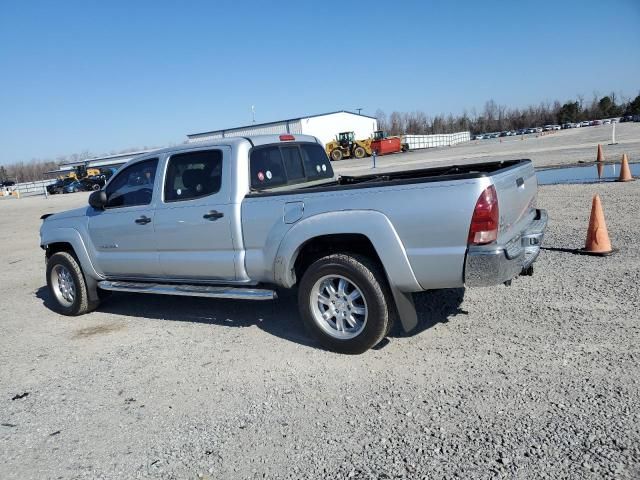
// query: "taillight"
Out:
[485,220]
[287,138]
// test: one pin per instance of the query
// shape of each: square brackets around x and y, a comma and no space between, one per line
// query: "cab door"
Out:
[123,234]
[194,217]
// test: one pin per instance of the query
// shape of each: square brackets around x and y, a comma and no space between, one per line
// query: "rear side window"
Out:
[276,165]
[193,175]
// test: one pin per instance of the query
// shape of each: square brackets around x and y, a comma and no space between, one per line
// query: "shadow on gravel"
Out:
[279,317]
[433,307]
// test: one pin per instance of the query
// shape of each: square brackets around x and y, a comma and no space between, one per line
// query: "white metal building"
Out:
[325,126]
[106,161]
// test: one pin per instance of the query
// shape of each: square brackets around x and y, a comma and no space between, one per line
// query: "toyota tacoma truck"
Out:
[243,217]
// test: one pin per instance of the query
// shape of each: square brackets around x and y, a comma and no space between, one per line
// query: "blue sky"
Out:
[109,75]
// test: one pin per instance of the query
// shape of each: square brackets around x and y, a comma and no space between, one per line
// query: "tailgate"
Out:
[517,189]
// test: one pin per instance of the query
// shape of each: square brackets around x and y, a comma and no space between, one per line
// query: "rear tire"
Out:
[336,155]
[67,286]
[345,302]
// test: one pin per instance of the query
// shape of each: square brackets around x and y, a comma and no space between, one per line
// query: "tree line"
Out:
[493,118]
[497,118]
[37,168]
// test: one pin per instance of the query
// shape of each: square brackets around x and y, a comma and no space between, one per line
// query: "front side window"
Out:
[193,175]
[133,185]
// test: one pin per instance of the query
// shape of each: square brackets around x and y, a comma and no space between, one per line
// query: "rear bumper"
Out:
[487,265]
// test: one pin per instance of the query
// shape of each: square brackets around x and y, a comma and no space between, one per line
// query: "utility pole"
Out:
[359,110]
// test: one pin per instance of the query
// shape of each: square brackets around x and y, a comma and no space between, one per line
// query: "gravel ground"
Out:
[556,148]
[536,380]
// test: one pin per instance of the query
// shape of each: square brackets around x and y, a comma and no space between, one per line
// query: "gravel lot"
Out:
[537,380]
[556,148]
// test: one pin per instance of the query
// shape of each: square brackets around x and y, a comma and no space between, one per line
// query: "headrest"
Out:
[193,179]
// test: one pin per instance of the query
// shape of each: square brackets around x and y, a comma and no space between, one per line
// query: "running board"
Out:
[189,290]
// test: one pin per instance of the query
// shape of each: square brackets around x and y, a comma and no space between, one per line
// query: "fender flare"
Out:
[73,238]
[370,223]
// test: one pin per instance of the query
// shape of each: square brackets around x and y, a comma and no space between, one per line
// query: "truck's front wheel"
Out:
[67,285]
[344,301]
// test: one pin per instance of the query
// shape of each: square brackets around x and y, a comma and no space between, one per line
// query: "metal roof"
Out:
[190,135]
[111,158]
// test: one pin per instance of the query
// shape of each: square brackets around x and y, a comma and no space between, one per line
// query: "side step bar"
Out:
[189,290]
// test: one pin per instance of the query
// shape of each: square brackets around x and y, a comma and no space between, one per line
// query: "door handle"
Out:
[143,220]
[213,215]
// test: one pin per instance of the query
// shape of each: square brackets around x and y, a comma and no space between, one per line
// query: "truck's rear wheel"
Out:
[336,155]
[359,152]
[345,302]
[67,285]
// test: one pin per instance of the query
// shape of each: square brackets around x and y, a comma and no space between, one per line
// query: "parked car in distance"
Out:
[242,217]
[606,122]
[548,128]
[59,185]
[7,183]
[521,131]
[478,137]
[627,118]
[75,186]
[585,123]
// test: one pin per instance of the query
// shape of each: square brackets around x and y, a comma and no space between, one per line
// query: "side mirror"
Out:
[98,199]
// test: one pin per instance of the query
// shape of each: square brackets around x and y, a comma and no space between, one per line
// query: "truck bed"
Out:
[429,209]
[432,174]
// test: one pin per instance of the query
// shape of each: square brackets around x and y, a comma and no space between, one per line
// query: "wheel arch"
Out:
[356,231]
[69,240]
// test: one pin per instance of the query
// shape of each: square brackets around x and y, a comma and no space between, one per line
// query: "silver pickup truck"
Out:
[241,217]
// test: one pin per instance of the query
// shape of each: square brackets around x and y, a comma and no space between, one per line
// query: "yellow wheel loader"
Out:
[345,146]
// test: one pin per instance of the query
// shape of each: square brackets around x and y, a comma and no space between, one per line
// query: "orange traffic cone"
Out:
[600,156]
[625,171]
[598,242]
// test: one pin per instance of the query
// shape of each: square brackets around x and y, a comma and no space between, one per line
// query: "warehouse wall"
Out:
[327,127]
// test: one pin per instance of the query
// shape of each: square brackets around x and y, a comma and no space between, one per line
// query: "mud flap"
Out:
[92,288]
[406,309]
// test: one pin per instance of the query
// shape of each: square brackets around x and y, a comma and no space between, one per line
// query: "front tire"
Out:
[336,155]
[345,303]
[67,286]
[359,152]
